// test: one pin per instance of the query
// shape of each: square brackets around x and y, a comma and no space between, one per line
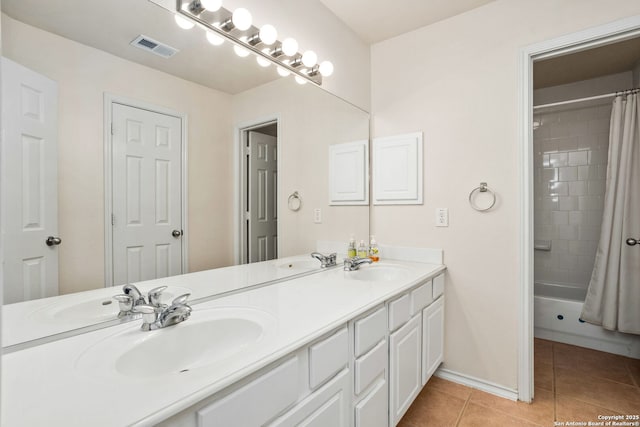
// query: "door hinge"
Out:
[247,216]
[247,151]
[113,219]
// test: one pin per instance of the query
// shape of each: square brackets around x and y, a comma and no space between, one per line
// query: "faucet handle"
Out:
[182,299]
[154,296]
[125,302]
[149,315]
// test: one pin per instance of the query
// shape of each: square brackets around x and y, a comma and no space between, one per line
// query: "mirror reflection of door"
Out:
[29,184]
[262,218]
[146,194]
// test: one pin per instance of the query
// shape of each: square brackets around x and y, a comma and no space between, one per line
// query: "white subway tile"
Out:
[568,203]
[578,188]
[578,158]
[560,218]
[569,173]
[558,159]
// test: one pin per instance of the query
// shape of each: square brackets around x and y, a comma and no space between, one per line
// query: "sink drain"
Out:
[106,302]
[184,370]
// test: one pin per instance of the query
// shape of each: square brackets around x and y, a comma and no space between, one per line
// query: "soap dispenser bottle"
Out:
[351,250]
[362,250]
[374,251]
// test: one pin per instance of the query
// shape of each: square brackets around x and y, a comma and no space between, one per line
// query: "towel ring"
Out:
[294,202]
[483,188]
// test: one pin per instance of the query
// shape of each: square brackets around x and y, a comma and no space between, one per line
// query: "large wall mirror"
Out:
[94,92]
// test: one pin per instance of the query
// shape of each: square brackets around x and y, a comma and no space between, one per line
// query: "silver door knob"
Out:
[53,241]
[176,233]
[632,242]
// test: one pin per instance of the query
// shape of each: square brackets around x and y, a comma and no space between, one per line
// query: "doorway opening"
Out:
[259,192]
[584,42]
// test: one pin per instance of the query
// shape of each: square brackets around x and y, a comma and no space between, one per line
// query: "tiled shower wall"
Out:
[570,166]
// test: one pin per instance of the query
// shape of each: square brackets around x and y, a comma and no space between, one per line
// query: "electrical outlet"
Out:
[317,216]
[442,217]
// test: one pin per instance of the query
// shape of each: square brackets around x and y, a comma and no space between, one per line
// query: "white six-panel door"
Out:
[146,194]
[29,183]
[263,216]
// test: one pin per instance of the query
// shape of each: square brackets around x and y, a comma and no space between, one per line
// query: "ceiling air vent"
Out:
[153,46]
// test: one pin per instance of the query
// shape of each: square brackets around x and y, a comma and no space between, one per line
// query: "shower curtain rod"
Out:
[589,98]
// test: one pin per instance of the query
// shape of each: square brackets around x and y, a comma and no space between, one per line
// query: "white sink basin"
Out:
[207,337]
[95,309]
[378,273]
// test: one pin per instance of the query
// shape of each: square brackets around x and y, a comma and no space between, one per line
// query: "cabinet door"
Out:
[328,406]
[405,366]
[432,338]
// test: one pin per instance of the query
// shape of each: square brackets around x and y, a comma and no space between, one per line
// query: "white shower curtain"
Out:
[613,298]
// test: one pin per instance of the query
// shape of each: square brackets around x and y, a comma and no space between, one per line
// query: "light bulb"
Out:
[300,80]
[268,34]
[263,62]
[183,23]
[211,5]
[326,68]
[239,50]
[214,39]
[289,46]
[241,19]
[309,58]
[283,72]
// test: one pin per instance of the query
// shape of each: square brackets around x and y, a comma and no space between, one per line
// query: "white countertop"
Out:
[30,320]
[52,385]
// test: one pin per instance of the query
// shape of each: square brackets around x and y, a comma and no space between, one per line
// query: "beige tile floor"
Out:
[571,384]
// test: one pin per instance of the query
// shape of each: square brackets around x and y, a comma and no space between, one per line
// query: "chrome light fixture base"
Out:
[194,11]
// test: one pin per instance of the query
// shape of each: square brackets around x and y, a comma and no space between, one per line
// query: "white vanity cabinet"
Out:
[366,373]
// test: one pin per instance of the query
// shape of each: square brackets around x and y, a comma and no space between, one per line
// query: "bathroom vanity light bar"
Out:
[238,29]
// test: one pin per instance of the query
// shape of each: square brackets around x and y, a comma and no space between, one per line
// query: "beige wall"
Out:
[83,75]
[456,81]
[310,120]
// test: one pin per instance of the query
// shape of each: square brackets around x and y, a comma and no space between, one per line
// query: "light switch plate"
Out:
[442,217]
[317,216]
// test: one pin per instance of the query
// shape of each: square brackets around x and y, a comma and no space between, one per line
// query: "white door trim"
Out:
[239,131]
[581,40]
[110,99]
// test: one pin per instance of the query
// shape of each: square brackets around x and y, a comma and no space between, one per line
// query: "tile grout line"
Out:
[464,408]
[553,382]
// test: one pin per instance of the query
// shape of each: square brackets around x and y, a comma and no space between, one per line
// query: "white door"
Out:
[29,183]
[263,215]
[146,194]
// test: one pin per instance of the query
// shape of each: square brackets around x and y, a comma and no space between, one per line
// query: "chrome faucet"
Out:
[132,297]
[352,264]
[153,319]
[325,260]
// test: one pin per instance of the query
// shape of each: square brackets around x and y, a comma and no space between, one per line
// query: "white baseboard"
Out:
[477,383]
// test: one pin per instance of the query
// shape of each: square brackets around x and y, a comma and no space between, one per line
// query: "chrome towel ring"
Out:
[294,202]
[483,188]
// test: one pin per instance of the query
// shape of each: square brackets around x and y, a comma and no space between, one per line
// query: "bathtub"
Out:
[557,309]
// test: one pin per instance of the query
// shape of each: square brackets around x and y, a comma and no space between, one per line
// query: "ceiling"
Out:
[587,64]
[375,20]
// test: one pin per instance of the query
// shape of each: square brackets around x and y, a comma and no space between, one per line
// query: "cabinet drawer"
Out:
[266,396]
[328,406]
[438,286]
[369,331]
[370,366]
[372,411]
[399,312]
[328,357]
[421,297]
